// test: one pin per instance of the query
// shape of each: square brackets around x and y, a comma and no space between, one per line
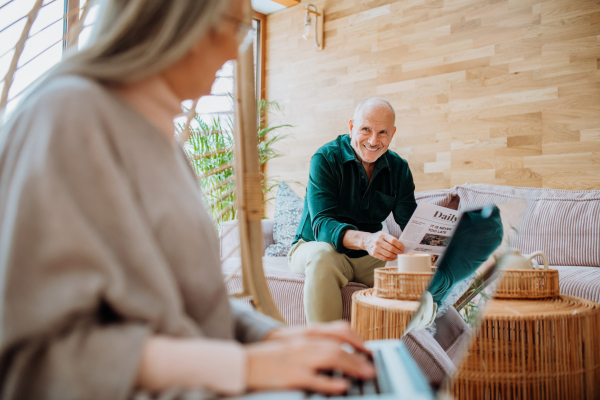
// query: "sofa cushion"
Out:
[582,282]
[443,198]
[429,356]
[229,237]
[287,288]
[451,330]
[288,211]
[562,223]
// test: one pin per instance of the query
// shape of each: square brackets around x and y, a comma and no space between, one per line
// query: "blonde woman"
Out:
[111,280]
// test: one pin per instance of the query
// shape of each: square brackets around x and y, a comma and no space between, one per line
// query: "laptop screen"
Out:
[460,288]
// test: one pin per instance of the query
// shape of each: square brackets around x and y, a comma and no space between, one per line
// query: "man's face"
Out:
[372,133]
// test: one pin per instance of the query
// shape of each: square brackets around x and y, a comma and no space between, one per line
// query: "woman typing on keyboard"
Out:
[111,279]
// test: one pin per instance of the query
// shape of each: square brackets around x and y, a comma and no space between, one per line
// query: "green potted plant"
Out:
[210,150]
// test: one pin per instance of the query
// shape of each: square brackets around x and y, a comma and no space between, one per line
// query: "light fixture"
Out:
[315,29]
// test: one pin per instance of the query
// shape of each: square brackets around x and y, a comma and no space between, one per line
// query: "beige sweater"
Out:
[104,240]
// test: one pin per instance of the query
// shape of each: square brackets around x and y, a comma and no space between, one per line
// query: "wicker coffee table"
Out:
[375,318]
[533,348]
[385,311]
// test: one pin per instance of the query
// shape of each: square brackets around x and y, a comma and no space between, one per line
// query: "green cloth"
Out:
[478,235]
[340,197]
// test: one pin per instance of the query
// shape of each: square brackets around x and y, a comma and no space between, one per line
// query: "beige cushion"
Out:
[429,356]
[451,329]
[582,282]
[229,237]
[562,223]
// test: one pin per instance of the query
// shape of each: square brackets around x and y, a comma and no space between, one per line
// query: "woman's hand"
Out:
[295,362]
[338,330]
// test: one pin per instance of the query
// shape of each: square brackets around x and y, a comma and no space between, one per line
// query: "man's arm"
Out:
[322,199]
[380,245]
[405,204]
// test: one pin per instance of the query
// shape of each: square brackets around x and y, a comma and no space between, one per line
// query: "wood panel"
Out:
[504,92]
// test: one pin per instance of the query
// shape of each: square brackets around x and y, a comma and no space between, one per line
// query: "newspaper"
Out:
[429,231]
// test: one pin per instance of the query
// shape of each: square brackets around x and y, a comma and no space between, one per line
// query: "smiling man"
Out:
[354,183]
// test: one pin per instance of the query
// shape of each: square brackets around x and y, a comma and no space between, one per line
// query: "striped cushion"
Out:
[229,237]
[443,198]
[287,288]
[562,223]
[429,356]
[582,282]
[451,329]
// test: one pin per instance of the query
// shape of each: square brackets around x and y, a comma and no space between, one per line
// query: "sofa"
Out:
[564,224]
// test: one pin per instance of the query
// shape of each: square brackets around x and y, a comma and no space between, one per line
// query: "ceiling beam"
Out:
[287,3]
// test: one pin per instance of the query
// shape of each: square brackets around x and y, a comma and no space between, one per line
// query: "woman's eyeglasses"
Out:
[244,32]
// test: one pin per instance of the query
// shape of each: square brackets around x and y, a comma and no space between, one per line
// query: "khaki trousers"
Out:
[327,272]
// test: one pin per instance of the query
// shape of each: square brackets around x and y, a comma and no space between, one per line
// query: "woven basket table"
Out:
[533,349]
[376,318]
[385,311]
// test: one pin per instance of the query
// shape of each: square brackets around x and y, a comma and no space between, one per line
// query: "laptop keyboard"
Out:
[358,387]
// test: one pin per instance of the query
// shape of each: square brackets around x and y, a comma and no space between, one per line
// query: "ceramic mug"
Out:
[412,263]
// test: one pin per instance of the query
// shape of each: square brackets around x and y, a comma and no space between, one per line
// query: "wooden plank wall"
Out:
[504,92]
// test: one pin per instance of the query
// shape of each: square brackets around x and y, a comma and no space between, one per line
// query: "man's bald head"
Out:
[372,129]
[372,103]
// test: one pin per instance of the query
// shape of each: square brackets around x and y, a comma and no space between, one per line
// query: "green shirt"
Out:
[340,197]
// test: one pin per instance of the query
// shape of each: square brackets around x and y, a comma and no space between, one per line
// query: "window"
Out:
[219,102]
[43,48]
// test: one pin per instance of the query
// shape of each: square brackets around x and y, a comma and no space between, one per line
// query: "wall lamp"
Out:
[317,27]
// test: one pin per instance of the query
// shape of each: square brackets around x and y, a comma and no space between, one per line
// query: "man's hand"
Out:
[380,245]
[383,246]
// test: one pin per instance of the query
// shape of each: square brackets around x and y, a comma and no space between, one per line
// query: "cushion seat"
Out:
[577,281]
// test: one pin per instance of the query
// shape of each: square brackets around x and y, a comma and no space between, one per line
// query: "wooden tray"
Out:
[391,284]
[527,284]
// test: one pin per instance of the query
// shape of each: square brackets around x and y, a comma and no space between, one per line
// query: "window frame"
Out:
[260,53]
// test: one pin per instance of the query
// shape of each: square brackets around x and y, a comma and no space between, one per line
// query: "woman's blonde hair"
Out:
[134,39]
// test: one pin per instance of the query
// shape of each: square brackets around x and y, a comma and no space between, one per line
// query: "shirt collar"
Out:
[349,155]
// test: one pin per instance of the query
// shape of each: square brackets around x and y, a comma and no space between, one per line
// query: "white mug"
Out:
[412,263]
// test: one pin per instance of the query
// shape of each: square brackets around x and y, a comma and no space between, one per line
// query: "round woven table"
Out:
[385,311]
[533,349]
[376,318]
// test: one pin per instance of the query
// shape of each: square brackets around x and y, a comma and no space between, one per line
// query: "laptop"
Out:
[398,375]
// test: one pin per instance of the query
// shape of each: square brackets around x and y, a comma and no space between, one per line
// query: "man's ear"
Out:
[394,132]
[351,126]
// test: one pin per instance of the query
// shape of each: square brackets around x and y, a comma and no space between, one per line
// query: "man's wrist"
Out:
[355,240]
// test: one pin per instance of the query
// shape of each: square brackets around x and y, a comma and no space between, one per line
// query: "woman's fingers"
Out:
[299,364]
[338,330]
[329,355]
[324,384]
